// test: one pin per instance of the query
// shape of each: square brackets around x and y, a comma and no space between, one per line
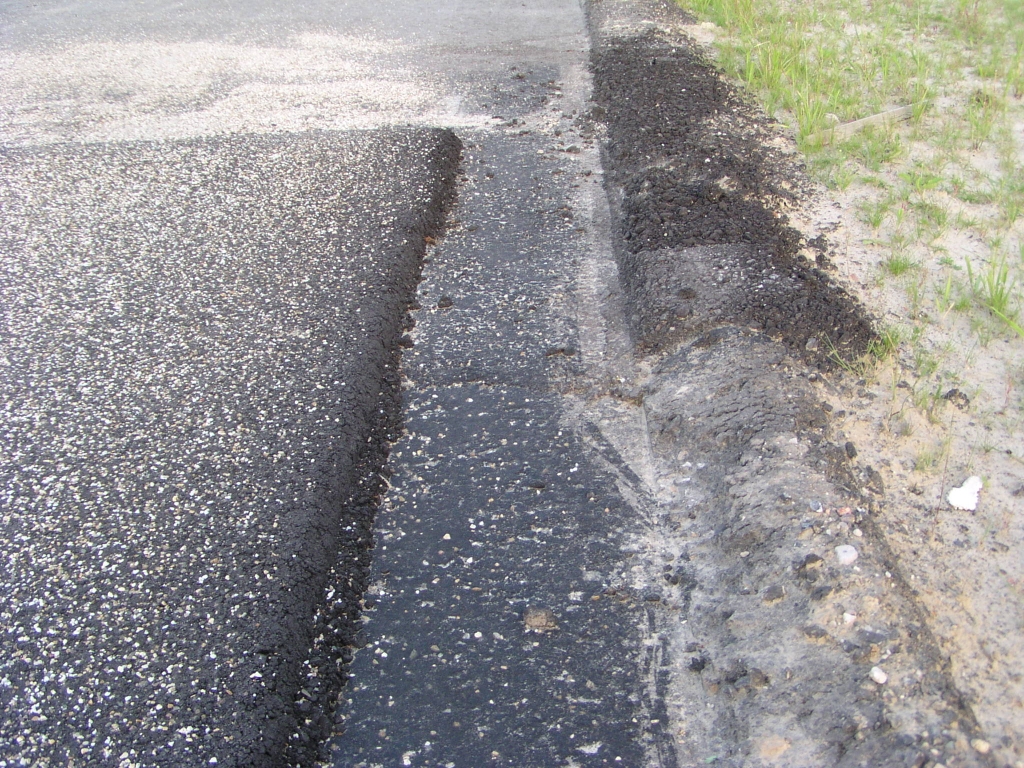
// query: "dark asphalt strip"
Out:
[197,371]
[498,506]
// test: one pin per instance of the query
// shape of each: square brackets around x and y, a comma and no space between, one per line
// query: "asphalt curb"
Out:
[331,584]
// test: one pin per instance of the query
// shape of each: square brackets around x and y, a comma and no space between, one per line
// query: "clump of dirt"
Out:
[692,165]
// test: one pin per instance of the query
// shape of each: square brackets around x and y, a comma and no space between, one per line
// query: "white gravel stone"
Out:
[879,676]
[846,554]
[981,746]
[966,496]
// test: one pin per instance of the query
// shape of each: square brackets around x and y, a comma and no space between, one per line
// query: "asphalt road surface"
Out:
[196,339]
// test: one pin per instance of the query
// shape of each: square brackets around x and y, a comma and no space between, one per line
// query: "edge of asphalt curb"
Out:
[312,651]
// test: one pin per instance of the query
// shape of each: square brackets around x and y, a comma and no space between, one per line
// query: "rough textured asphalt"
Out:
[195,345]
[703,244]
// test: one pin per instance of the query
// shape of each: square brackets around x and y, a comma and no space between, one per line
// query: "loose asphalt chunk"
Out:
[197,383]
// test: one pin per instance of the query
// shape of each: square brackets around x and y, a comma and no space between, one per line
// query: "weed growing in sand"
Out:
[874,212]
[899,264]
[994,288]
[928,459]
[886,344]
[881,348]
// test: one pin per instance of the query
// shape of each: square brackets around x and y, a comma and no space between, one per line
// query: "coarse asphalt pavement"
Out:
[196,345]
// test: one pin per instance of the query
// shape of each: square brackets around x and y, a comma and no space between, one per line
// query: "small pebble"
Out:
[981,746]
[966,496]
[879,676]
[539,619]
[846,554]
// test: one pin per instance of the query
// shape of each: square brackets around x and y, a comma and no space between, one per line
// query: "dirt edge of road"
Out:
[793,637]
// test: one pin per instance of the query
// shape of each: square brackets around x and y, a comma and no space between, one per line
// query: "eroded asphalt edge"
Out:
[495,505]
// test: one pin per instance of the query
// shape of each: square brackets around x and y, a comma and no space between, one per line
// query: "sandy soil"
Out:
[925,437]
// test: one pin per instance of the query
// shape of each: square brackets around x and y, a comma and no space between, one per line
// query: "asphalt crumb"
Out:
[691,166]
